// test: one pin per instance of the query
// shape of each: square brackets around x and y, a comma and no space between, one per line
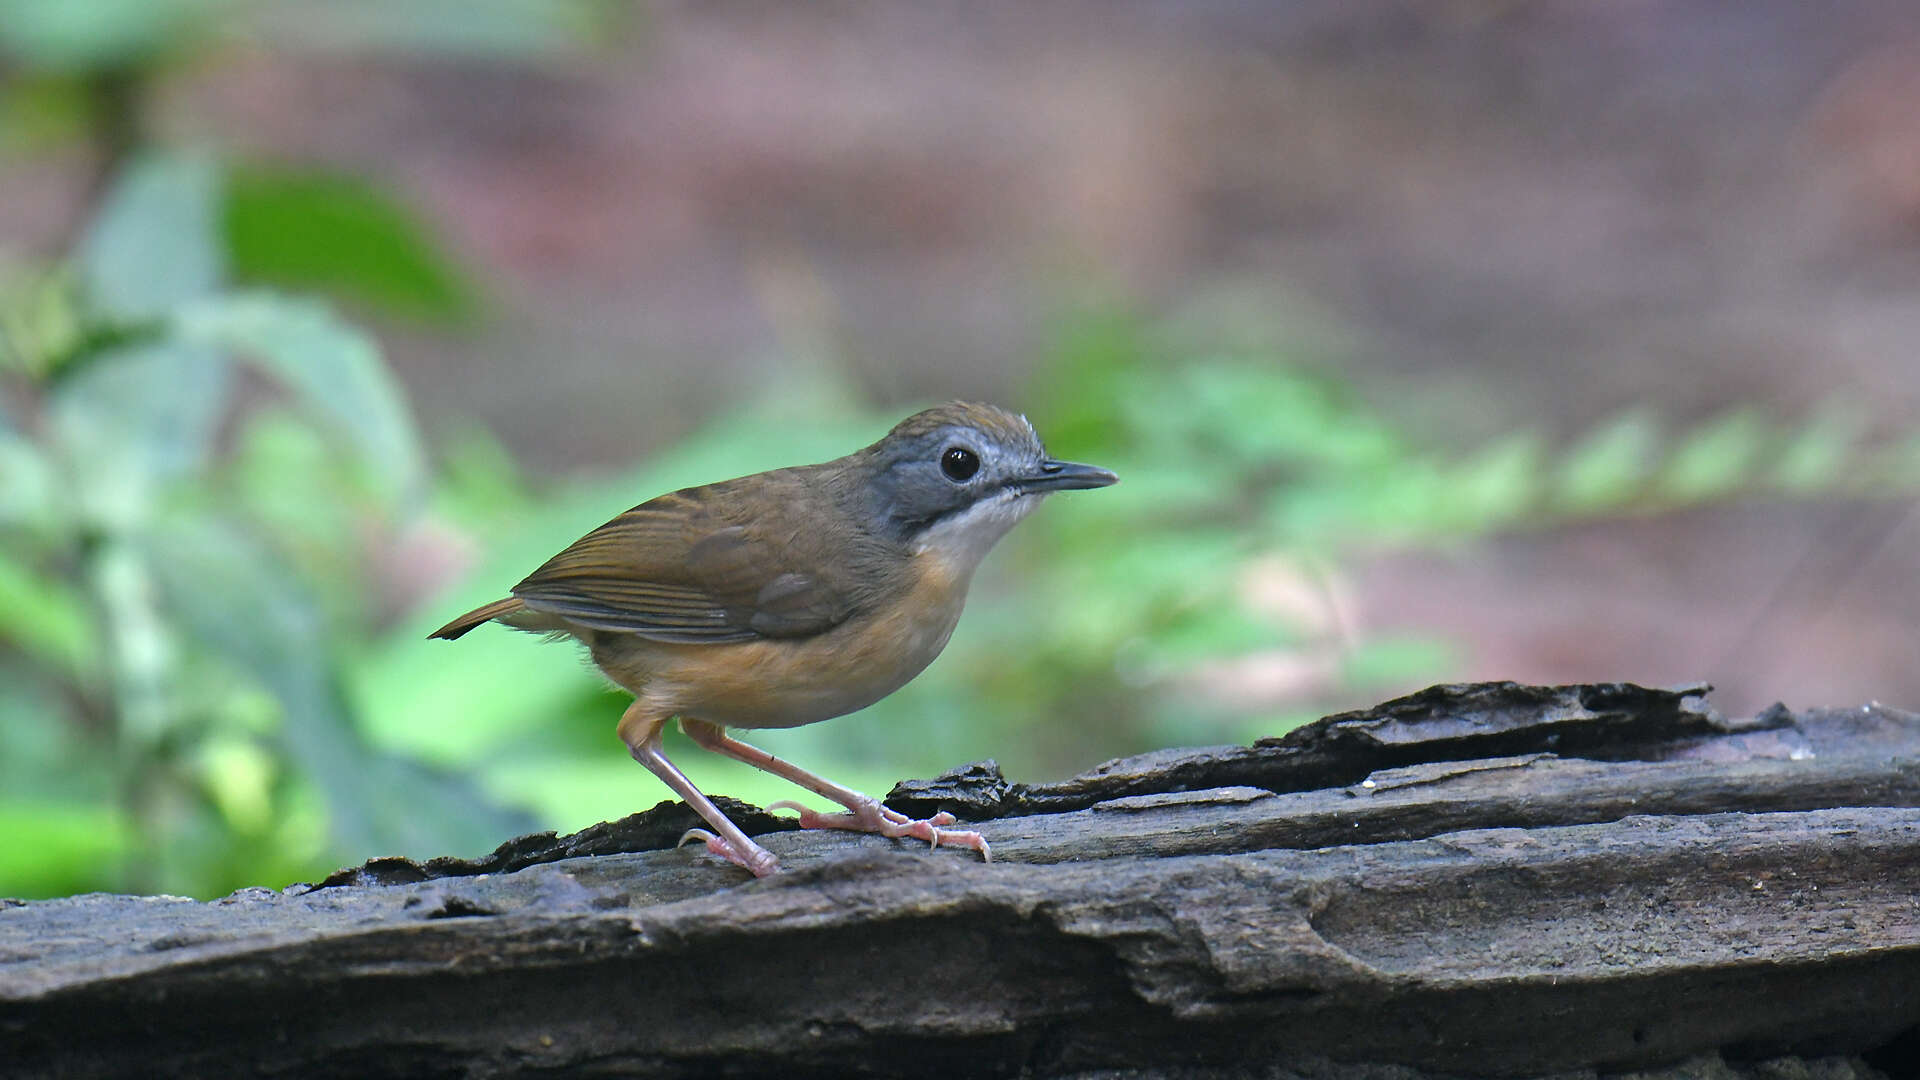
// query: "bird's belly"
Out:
[785,683]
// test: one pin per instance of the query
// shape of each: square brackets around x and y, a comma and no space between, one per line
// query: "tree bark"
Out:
[1489,880]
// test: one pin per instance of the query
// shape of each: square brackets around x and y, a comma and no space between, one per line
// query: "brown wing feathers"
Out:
[686,567]
[636,574]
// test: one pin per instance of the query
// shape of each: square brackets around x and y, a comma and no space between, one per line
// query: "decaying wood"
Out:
[1483,880]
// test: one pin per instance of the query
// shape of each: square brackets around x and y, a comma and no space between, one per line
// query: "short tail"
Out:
[477,616]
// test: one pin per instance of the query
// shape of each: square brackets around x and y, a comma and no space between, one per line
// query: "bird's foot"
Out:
[756,860]
[872,817]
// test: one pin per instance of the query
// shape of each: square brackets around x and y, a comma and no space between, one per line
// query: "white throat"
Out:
[963,539]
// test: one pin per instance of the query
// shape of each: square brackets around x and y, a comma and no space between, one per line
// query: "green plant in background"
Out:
[166,655]
[181,565]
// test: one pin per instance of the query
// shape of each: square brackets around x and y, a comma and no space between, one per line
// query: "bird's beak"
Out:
[1066,476]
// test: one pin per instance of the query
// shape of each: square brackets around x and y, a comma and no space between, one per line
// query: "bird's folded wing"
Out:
[678,569]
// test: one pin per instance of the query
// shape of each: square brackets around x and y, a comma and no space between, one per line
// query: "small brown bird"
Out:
[792,596]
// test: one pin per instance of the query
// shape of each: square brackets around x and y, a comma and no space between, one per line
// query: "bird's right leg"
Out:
[640,729]
[864,812]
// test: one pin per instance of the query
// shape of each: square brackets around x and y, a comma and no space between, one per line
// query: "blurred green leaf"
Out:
[70,842]
[41,324]
[1213,633]
[1409,500]
[487,690]
[238,775]
[1717,458]
[1399,663]
[1267,413]
[318,505]
[44,754]
[156,242]
[235,597]
[1078,384]
[136,416]
[1823,454]
[39,113]
[1497,486]
[141,647]
[1140,588]
[27,491]
[93,34]
[478,477]
[333,367]
[1610,465]
[43,617]
[340,235]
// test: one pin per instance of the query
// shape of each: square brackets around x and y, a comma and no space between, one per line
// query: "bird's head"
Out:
[956,477]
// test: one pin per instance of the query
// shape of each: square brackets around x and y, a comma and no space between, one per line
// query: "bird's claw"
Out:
[759,862]
[874,818]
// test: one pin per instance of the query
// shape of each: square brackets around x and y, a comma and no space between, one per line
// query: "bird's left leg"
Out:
[640,729]
[864,812]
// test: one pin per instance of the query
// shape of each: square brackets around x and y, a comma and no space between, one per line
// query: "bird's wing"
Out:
[702,566]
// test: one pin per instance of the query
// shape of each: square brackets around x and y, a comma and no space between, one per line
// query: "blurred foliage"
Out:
[341,235]
[198,477]
[103,35]
[165,658]
[216,517]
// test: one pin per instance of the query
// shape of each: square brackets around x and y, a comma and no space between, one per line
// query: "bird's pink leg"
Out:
[640,730]
[864,812]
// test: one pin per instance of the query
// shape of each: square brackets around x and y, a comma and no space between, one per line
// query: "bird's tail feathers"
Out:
[477,616]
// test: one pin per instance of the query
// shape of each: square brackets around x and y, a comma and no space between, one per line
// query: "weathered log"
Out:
[1489,880]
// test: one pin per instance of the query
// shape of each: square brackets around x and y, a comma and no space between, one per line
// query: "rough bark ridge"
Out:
[1490,880]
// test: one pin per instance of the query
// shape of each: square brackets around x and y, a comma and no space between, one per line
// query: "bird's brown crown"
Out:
[998,424]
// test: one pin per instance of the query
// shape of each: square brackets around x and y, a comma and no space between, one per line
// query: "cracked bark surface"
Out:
[1488,880]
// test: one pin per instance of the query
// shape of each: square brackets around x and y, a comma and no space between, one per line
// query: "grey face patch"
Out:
[916,494]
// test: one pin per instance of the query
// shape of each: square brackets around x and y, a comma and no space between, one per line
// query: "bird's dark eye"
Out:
[959,463]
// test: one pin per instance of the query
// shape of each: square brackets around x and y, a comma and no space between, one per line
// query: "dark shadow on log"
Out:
[1489,880]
